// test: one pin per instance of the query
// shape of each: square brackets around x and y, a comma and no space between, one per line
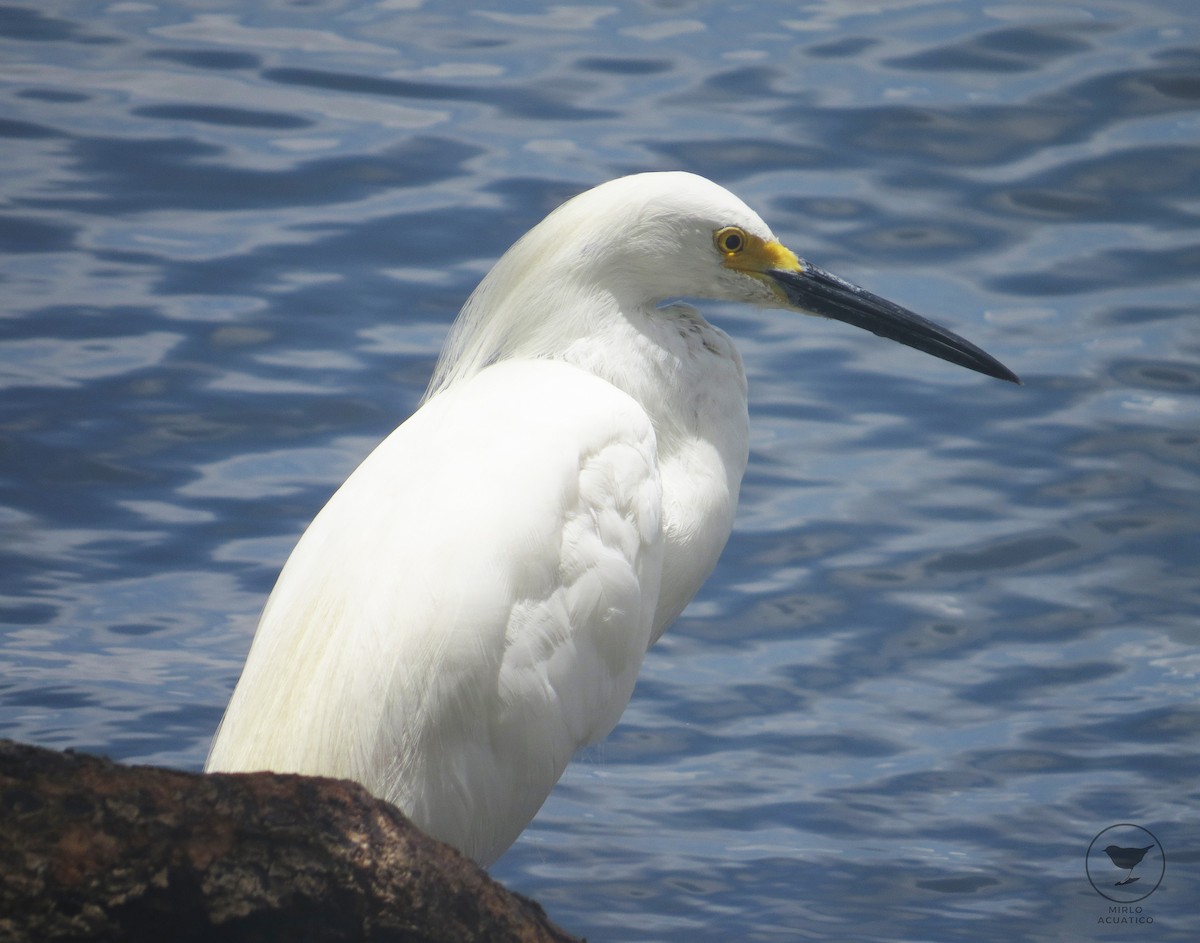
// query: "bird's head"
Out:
[647,238]
[679,235]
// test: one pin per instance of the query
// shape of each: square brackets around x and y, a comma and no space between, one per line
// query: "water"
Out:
[954,635]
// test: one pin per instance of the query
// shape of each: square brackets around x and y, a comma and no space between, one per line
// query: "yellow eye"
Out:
[730,240]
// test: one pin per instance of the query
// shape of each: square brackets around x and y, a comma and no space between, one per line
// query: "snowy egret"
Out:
[473,604]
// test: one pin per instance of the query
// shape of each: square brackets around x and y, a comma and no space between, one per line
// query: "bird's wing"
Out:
[470,607]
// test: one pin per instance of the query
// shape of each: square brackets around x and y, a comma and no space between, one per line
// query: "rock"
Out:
[93,850]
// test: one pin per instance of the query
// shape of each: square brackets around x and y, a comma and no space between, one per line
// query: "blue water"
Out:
[956,632]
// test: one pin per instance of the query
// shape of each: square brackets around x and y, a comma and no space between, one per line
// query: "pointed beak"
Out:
[815,291]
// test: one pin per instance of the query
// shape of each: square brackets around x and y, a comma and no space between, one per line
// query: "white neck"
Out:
[685,373]
[689,378]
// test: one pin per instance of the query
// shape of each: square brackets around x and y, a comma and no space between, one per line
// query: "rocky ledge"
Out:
[94,850]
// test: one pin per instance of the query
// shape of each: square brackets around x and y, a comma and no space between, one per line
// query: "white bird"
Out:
[473,604]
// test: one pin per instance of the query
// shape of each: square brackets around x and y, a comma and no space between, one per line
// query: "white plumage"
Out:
[473,605]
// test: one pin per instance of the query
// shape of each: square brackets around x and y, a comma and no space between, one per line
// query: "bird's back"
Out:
[469,609]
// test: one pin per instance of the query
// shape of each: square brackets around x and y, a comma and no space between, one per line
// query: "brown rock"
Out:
[92,850]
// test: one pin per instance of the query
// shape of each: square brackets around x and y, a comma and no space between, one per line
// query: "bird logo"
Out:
[1126,859]
[1116,853]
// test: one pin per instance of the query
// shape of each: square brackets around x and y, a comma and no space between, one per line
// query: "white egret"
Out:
[473,605]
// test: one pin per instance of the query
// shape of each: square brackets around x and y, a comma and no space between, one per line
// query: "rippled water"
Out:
[955,634]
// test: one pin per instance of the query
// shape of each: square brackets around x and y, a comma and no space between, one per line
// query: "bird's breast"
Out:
[689,378]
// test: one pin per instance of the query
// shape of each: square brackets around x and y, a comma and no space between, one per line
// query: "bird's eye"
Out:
[730,240]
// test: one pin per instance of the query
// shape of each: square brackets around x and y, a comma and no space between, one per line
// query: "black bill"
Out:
[818,292]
